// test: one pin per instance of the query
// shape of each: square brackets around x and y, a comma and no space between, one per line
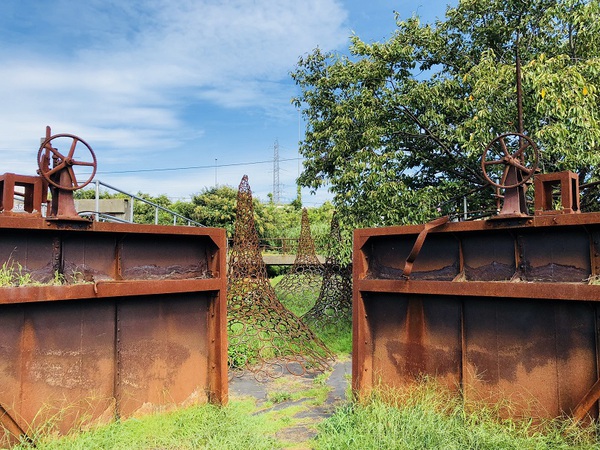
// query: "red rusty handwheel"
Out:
[511,150]
[65,163]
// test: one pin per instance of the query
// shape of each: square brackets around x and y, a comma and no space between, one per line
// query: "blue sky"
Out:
[173,84]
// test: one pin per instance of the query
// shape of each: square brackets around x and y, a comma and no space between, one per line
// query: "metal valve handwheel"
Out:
[514,151]
[77,168]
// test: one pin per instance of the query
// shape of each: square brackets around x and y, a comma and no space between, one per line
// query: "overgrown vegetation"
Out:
[425,415]
[198,427]
[429,416]
[13,274]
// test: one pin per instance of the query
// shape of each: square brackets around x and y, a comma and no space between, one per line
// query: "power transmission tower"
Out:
[276,185]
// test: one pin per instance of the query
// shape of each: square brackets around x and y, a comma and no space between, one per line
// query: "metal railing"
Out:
[133,198]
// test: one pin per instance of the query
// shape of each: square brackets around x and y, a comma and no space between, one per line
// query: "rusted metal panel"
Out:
[56,363]
[437,260]
[595,256]
[412,336]
[162,352]
[89,259]
[555,255]
[539,355]
[12,322]
[142,328]
[506,309]
[32,251]
[66,363]
[143,257]
[496,263]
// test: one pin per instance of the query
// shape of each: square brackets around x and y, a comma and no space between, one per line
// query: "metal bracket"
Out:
[408,265]
[588,400]
[11,425]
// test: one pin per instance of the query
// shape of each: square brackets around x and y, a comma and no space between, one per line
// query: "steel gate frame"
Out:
[142,328]
[496,309]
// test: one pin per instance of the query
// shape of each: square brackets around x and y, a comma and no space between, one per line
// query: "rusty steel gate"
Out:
[139,326]
[500,309]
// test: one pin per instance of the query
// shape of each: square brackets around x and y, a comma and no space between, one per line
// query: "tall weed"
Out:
[429,416]
[197,427]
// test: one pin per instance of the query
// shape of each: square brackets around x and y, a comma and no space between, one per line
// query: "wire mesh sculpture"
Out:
[335,298]
[301,285]
[264,337]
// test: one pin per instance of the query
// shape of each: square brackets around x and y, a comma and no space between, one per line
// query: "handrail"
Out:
[287,246]
[99,215]
[133,197]
[107,217]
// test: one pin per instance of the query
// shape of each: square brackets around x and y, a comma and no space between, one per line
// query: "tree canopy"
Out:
[396,130]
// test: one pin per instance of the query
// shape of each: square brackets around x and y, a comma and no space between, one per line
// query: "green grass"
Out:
[299,302]
[242,424]
[276,280]
[295,389]
[13,274]
[424,416]
[430,417]
[198,427]
[336,335]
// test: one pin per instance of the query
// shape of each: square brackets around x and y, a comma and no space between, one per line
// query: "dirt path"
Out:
[297,394]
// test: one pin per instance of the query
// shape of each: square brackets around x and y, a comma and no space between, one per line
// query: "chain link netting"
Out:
[265,338]
[334,303]
[299,288]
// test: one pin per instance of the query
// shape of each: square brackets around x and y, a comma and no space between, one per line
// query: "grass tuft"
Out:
[197,427]
[429,416]
[13,274]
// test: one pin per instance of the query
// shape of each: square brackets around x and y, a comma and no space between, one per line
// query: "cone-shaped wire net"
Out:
[299,288]
[335,298]
[264,337]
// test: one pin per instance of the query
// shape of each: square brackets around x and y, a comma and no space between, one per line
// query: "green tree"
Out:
[396,130]
[146,213]
[216,207]
[143,212]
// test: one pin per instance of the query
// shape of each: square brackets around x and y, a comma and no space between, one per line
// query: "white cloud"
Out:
[123,75]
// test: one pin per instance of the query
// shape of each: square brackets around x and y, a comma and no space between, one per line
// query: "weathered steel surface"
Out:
[143,327]
[545,185]
[502,309]
[162,352]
